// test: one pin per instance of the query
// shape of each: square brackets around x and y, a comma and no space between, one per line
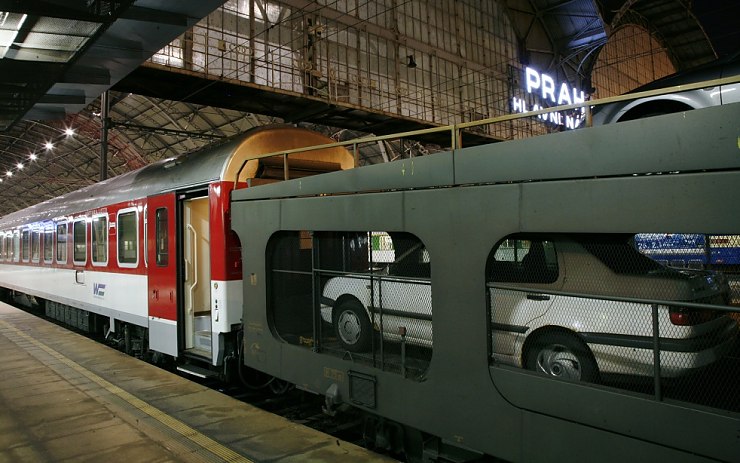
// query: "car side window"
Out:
[524,260]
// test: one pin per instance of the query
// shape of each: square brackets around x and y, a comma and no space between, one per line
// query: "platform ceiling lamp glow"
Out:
[19,166]
[69,131]
[32,157]
[49,146]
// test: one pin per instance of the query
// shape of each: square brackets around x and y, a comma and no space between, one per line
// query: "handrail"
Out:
[455,129]
[191,289]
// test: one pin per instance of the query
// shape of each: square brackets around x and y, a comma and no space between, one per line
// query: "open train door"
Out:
[161,250]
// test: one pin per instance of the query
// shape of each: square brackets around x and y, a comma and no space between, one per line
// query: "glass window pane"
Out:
[26,245]
[62,242]
[99,247]
[80,251]
[162,237]
[35,246]
[48,245]
[127,242]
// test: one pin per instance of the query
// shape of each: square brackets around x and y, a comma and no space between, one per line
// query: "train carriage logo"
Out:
[99,290]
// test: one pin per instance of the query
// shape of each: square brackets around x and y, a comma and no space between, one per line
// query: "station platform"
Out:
[66,398]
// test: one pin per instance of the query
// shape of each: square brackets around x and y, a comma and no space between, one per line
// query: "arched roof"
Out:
[564,36]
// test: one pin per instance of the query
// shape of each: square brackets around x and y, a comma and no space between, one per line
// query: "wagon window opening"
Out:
[162,237]
[26,245]
[580,315]
[99,241]
[61,239]
[48,245]
[127,238]
[365,296]
[80,246]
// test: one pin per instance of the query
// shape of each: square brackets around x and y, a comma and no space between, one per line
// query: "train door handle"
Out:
[538,297]
[80,277]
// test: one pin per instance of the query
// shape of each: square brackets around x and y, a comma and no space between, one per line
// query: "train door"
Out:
[161,258]
[197,277]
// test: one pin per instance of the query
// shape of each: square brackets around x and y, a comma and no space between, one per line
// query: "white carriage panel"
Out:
[118,292]
[226,305]
[122,296]
[163,336]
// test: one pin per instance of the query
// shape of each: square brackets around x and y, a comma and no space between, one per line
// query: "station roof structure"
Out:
[58,56]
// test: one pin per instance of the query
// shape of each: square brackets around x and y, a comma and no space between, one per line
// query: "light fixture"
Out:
[9,173]
[32,157]
[69,131]
[19,166]
[49,145]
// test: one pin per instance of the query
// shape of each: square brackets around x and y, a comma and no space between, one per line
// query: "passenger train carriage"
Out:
[148,257]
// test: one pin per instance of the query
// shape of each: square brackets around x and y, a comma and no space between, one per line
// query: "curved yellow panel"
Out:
[273,139]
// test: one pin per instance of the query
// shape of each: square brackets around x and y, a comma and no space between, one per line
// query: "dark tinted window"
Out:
[62,242]
[523,259]
[162,237]
[127,242]
[100,239]
[80,246]
[26,245]
[48,245]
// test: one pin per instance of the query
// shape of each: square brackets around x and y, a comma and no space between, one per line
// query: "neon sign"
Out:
[547,90]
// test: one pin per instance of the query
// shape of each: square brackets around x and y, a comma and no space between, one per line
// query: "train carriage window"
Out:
[128,239]
[3,253]
[61,239]
[79,232]
[16,246]
[35,245]
[26,245]
[162,237]
[99,240]
[48,245]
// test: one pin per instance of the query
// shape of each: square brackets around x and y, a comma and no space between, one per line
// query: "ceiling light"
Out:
[19,166]
[32,157]
[49,145]
[9,173]
[69,132]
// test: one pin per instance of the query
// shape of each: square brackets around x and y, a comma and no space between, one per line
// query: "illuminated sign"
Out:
[546,90]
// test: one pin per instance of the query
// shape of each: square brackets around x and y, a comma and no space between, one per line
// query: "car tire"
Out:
[352,326]
[562,355]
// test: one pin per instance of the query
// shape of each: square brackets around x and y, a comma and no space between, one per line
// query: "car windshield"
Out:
[617,252]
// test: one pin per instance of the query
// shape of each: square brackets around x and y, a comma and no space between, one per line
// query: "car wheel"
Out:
[563,356]
[352,326]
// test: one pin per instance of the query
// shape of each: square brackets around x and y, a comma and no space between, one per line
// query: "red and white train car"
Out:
[148,257]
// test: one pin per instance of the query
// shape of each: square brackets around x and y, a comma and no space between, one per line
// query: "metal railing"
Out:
[730,402]
[455,130]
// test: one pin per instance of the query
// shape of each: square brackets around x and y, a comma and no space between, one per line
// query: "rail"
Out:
[456,129]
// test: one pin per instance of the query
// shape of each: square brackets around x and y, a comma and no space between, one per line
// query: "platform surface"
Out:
[66,398]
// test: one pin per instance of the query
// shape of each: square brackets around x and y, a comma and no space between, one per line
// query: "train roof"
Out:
[188,171]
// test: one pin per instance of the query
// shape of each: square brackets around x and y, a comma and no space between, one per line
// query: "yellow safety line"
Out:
[174,424]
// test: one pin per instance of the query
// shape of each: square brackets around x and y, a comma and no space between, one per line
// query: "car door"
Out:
[522,271]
